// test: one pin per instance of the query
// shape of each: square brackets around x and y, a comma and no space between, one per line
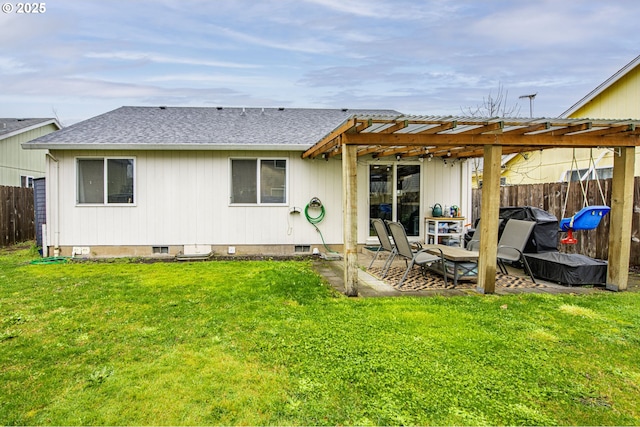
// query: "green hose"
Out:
[314,220]
[51,260]
[317,220]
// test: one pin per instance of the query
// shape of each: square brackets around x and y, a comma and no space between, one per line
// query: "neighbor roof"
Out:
[605,85]
[201,128]
[11,127]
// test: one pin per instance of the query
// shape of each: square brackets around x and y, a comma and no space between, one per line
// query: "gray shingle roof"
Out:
[10,126]
[155,127]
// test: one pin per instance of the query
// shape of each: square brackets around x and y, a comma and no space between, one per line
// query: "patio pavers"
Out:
[429,284]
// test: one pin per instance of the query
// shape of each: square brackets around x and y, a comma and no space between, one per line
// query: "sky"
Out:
[76,59]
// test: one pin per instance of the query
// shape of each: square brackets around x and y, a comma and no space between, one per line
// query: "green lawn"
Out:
[266,343]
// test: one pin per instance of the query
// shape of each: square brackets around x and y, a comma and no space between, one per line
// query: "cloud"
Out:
[561,23]
[13,66]
[165,59]
[295,44]
[355,7]
[389,10]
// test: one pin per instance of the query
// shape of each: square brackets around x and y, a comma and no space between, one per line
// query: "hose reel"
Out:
[315,204]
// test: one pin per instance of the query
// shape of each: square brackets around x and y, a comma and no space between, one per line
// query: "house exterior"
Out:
[615,98]
[18,167]
[165,181]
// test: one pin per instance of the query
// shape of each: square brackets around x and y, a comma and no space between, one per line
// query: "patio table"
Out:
[461,264]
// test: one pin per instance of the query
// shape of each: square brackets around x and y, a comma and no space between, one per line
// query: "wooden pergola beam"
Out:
[571,129]
[528,129]
[363,124]
[508,139]
[612,130]
[393,128]
[368,150]
[486,128]
[440,128]
[391,152]
[330,139]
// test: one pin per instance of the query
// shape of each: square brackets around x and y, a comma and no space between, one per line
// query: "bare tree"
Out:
[494,105]
[55,114]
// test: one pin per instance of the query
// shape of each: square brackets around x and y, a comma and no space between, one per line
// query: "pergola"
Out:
[490,138]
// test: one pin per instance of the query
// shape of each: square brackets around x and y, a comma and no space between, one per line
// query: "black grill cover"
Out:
[568,269]
[545,234]
[544,237]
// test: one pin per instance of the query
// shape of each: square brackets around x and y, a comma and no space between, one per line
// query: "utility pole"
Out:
[533,95]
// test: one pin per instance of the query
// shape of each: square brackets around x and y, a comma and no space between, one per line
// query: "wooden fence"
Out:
[551,198]
[17,216]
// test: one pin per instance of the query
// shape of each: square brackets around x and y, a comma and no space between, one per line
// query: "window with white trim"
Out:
[26,181]
[258,181]
[105,181]
[588,173]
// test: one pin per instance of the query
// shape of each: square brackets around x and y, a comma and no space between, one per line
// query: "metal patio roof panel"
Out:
[410,136]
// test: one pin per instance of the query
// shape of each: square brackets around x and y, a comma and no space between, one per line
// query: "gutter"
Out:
[166,147]
[56,232]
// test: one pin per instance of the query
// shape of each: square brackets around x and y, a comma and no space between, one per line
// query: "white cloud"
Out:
[356,7]
[165,59]
[13,66]
[549,23]
[305,45]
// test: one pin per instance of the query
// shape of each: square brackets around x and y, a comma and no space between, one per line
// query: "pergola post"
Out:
[489,219]
[622,190]
[350,216]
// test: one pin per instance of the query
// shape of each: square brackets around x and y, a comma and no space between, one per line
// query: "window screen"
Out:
[272,181]
[249,175]
[91,181]
[118,174]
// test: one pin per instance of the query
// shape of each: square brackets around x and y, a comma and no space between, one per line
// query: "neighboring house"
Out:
[18,167]
[616,98]
[143,181]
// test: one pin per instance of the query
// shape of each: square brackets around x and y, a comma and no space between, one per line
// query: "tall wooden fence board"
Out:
[17,217]
[552,198]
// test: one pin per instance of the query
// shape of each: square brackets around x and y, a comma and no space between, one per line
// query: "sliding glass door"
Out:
[401,205]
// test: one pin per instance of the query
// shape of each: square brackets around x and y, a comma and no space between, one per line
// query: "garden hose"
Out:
[51,260]
[315,203]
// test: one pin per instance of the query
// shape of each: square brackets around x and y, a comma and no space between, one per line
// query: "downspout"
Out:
[56,246]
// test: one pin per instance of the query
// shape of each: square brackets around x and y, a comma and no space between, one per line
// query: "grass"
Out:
[268,343]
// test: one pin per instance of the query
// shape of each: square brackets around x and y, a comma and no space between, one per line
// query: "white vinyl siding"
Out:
[182,197]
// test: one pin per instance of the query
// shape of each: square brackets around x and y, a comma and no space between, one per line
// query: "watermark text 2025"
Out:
[25,8]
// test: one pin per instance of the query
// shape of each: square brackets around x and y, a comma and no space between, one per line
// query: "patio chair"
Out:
[474,243]
[514,238]
[385,244]
[420,257]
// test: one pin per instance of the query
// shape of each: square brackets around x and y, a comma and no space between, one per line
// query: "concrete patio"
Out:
[371,285]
